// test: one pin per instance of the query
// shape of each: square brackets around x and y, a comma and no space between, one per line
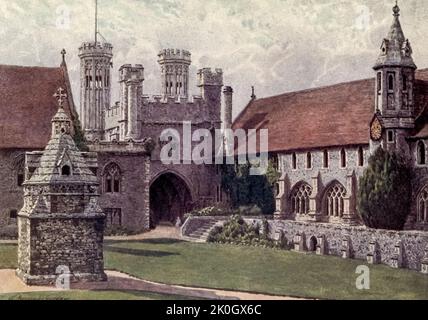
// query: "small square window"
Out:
[13,214]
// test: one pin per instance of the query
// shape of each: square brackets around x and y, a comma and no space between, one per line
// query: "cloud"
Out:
[275,45]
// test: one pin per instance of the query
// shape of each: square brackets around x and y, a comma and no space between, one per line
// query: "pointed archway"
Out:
[170,199]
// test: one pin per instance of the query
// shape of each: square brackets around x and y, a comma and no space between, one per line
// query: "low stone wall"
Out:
[405,249]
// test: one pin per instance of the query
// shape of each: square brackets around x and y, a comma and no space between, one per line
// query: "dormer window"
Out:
[66,170]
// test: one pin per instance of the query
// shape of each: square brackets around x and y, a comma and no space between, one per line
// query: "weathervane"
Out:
[60,95]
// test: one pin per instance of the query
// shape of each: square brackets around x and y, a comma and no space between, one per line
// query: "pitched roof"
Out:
[331,116]
[27,104]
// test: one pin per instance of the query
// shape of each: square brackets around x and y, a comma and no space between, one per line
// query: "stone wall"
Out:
[413,243]
[47,243]
[357,238]
[133,198]
[11,195]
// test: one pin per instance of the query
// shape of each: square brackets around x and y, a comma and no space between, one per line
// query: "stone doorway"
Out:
[313,244]
[170,198]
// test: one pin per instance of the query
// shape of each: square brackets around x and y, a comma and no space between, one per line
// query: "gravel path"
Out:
[9,283]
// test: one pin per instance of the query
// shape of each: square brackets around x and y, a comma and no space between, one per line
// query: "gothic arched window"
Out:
[404,82]
[19,167]
[308,160]
[334,200]
[325,159]
[300,198]
[294,161]
[112,178]
[360,156]
[422,205]
[391,82]
[343,158]
[421,153]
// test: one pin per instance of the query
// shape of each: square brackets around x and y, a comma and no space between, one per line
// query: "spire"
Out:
[395,49]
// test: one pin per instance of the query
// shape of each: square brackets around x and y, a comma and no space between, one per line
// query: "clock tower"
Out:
[394,116]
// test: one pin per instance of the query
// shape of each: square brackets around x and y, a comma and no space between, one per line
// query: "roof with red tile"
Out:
[27,104]
[332,116]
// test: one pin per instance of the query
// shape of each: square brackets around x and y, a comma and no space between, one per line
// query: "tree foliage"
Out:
[384,194]
[79,137]
[245,189]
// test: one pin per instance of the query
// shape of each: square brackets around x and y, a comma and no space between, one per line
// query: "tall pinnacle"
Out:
[395,49]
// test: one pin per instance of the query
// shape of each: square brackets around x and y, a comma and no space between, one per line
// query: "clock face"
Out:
[376,130]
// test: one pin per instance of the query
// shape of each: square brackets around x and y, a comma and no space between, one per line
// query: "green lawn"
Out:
[252,269]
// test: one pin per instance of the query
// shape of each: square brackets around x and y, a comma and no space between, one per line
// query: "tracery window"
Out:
[300,198]
[334,200]
[112,178]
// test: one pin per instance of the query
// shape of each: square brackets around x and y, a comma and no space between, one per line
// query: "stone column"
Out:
[314,211]
[349,210]
[132,109]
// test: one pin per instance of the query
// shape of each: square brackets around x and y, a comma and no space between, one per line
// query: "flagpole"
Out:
[96,21]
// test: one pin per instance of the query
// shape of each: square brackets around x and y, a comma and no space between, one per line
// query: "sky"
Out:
[277,46]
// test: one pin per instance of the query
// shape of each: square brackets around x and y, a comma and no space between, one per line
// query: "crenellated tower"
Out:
[131,86]
[394,91]
[95,87]
[175,72]
[210,83]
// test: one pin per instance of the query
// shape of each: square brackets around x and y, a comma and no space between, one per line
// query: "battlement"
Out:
[208,77]
[174,55]
[161,99]
[95,48]
[129,72]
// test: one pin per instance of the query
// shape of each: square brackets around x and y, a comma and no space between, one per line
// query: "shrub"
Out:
[237,231]
[384,194]
[215,211]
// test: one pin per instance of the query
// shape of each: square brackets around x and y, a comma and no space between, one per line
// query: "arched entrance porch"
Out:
[170,198]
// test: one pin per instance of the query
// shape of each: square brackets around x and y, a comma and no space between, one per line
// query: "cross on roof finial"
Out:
[60,95]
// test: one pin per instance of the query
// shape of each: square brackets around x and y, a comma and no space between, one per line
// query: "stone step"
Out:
[201,234]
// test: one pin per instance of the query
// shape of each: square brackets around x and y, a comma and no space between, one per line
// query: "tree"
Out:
[384,194]
[245,189]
